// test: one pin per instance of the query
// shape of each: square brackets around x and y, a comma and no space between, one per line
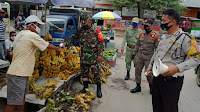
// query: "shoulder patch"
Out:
[152,37]
[142,35]
[194,47]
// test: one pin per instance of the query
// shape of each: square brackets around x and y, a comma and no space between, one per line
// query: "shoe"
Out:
[136,89]
[85,85]
[99,93]
[127,75]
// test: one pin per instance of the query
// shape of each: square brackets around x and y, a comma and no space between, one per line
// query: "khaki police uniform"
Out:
[166,89]
[144,49]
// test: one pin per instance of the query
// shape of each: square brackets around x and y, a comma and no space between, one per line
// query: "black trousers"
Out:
[165,93]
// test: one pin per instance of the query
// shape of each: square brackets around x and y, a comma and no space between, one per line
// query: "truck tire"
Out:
[198,76]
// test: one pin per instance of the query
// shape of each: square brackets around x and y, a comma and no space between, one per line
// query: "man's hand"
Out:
[58,51]
[148,70]
[99,59]
[172,69]
[122,50]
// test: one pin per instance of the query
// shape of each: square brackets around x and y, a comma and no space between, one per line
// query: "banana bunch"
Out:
[63,76]
[48,36]
[75,64]
[57,60]
[105,71]
[106,64]
[83,100]
[76,49]
[54,65]
[51,106]
[44,92]
[36,74]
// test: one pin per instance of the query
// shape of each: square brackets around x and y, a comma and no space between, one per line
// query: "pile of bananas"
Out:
[68,103]
[62,102]
[48,36]
[105,71]
[76,49]
[43,92]
[83,101]
[52,65]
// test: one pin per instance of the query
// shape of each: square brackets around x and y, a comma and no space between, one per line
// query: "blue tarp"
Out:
[79,3]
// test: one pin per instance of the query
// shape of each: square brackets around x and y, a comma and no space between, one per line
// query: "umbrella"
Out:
[106,15]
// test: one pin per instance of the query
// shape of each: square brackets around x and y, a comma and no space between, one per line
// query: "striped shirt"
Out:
[2,29]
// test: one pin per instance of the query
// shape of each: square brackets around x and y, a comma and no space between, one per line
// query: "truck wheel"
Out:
[198,76]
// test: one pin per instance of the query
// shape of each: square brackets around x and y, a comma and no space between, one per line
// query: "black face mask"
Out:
[147,29]
[85,27]
[165,26]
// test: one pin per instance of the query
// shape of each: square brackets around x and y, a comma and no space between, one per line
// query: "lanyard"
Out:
[172,45]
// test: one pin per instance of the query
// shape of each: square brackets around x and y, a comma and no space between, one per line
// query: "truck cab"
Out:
[68,19]
[65,22]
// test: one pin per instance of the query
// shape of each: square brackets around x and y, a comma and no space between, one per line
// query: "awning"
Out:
[78,3]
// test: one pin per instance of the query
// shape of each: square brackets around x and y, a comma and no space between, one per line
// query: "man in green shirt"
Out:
[130,37]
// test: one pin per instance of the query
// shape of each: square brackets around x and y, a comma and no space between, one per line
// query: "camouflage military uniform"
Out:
[144,49]
[91,48]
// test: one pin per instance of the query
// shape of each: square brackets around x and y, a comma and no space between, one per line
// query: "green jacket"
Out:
[131,36]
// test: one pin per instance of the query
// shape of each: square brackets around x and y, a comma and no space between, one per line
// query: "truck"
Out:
[68,19]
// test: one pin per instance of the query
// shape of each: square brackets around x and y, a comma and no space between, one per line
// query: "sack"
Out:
[99,34]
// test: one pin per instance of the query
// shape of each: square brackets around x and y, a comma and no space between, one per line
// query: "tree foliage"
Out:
[158,5]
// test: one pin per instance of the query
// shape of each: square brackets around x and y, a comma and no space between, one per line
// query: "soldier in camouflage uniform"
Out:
[144,49]
[130,37]
[91,50]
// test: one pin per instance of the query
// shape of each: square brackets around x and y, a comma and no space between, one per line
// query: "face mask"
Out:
[165,26]
[1,17]
[147,29]
[37,28]
[134,25]
[13,37]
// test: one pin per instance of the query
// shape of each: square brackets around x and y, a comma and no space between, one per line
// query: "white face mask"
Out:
[37,28]
[13,37]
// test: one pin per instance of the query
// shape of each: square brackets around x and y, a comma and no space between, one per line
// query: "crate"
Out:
[111,58]
[112,63]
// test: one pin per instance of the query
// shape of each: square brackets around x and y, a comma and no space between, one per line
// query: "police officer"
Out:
[130,37]
[144,49]
[90,58]
[175,50]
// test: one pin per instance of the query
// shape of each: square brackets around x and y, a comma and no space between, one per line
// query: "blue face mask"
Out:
[1,17]
[134,25]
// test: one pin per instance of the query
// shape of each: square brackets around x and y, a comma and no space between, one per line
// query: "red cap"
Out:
[2,11]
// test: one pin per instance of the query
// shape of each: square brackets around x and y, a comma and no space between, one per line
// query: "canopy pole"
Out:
[45,14]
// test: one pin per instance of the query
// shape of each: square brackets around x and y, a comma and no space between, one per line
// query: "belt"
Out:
[170,78]
[2,40]
[130,46]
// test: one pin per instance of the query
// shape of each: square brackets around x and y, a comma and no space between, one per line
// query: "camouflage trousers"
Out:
[95,69]
[140,64]
[128,57]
